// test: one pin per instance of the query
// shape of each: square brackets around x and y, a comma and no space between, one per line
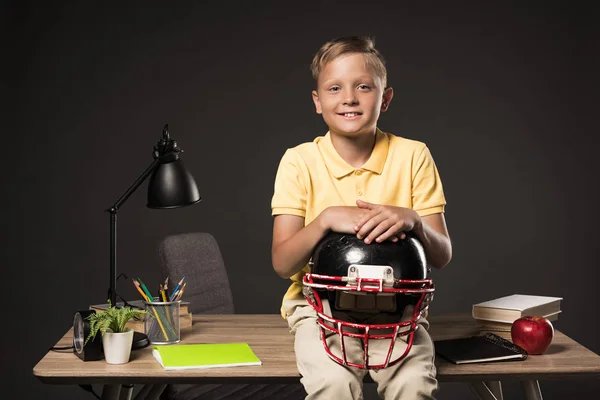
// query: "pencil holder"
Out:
[161,325]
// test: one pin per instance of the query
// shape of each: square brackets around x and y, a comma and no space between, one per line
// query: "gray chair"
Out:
[197,256]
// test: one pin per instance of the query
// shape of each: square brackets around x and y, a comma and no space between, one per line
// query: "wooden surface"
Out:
[269,337]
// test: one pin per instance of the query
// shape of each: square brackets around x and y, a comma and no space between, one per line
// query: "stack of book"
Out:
[185,316]
[500,313]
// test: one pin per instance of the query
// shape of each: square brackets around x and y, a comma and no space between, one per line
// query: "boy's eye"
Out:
[364,87]
[334,89]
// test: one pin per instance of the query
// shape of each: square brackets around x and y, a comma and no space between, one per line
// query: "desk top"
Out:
[269,337]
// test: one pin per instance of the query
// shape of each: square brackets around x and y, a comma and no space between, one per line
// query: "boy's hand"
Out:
[385,222]
[342,219]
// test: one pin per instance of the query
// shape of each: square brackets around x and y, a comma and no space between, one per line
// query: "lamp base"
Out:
[139,341]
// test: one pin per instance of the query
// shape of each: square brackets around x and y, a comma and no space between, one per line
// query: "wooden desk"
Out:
[270,339]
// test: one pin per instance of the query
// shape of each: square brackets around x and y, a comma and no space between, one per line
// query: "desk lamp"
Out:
[170,186]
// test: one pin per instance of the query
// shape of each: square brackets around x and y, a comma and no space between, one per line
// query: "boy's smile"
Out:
[350,115]
[350,96]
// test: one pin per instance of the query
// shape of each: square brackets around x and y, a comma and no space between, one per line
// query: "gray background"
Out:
[502,95]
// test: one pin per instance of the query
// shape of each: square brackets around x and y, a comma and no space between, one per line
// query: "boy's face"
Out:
[350,96]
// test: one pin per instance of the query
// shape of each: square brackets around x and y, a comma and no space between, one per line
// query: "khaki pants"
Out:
[413,378]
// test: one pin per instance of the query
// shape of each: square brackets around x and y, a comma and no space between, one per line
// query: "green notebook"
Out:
[187,356]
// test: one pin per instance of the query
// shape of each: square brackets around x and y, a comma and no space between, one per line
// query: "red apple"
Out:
[534,334]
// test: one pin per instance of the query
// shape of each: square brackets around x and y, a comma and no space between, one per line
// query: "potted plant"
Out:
[116,337]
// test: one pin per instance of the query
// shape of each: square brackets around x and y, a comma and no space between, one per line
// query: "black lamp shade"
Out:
[172,186]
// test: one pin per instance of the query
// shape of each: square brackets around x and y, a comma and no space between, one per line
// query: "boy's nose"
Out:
[350,99]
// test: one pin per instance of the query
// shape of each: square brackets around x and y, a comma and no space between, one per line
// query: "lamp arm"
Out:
[112,291]
[134,186]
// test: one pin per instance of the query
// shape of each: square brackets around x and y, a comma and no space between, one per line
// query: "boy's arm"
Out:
[433,234]
[293,242]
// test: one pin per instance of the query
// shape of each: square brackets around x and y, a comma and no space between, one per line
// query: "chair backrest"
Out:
[197,256]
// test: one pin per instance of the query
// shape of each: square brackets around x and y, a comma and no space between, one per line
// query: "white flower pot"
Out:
[117,346]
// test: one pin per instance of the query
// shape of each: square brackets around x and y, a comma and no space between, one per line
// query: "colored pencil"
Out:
[162,293]
[166,288]
[181,292]
[145,289]
[139,289]
[176,289]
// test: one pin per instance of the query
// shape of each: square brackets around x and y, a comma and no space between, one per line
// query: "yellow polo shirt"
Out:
[313,176]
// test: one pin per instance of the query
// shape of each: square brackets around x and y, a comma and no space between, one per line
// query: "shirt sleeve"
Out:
[428,193]
[290,192]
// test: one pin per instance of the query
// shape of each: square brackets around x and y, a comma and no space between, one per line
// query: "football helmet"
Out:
[364,280]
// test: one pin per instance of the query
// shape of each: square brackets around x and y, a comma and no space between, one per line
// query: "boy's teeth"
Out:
[349,114]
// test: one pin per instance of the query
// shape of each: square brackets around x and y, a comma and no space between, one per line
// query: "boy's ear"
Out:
[388,94]
[315,97]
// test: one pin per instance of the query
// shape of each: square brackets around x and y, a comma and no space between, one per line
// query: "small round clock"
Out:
[92,350]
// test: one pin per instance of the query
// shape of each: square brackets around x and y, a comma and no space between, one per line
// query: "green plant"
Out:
[114,318]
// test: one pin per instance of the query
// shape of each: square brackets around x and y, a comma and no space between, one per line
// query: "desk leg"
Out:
[532,390]
[143,392]
[150,392]
[126,392]
[155,392]
[496,389]
[491,390]
[111,392]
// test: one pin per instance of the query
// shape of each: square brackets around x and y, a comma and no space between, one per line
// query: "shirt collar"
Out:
[339,167]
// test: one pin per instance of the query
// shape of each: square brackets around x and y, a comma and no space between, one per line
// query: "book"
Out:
[513,307]
[188,356]
[486,325]
[487,347]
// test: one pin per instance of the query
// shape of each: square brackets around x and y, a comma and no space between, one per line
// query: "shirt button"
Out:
[359,192]
[358,172]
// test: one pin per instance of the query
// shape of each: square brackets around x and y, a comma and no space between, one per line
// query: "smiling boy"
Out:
[355,179]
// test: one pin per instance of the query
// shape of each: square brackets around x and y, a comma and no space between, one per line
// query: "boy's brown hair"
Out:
[351,44]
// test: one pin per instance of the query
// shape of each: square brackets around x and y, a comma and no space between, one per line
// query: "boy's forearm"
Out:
[291,256]
[438,248]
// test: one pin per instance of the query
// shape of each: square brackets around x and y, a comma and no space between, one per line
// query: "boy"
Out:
[355,179]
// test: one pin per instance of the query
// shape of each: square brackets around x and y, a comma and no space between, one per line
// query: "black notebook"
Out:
[483,348]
